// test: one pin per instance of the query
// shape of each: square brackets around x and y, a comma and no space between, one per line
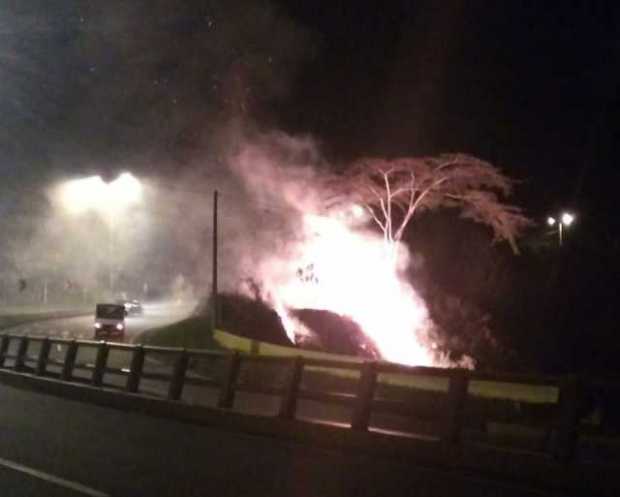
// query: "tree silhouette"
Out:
[392,192]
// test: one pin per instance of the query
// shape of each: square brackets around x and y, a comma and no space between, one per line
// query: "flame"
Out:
[333,262]
[338,267]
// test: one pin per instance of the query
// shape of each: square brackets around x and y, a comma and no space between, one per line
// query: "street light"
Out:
[565,219]
[94,194]
[108,199]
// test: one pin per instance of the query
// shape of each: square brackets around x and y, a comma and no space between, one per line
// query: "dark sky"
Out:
[530,86]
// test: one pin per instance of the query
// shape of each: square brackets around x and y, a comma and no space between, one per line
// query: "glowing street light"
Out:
[564,220]
[94,194]
[108,199]
[567,219]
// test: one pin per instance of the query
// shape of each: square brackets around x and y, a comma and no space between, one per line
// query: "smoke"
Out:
[169,90]
[325,259]
[155,87]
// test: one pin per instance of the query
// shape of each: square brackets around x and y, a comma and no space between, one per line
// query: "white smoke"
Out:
[326,259]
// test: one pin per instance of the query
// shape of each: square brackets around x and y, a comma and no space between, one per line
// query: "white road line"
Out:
[56,480]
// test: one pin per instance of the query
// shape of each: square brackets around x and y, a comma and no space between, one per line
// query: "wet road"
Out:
[155,315]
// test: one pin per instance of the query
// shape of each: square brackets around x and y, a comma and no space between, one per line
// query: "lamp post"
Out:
[563,221]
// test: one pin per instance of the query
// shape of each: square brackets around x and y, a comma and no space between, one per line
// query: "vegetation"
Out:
[394,191]
[191,333]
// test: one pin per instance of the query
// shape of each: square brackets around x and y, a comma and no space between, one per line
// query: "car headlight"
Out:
[98,326]
[119,327]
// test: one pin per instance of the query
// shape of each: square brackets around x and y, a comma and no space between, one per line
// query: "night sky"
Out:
[530,86]
[161,87]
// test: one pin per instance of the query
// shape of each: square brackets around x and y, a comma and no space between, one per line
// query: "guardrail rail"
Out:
[447,406]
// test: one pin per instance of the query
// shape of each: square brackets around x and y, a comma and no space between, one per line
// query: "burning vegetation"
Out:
[334,260]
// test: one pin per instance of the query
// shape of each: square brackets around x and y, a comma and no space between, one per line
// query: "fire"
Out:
[333,262]
[341,268]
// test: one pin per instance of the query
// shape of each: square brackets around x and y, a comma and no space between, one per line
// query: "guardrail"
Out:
[366,390]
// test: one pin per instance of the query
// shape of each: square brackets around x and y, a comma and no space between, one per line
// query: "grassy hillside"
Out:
[191,333]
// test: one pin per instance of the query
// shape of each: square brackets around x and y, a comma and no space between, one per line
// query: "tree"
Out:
[393,191]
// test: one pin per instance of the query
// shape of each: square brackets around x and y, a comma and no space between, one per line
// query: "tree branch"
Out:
[374,217]
[414,206]
[388,211]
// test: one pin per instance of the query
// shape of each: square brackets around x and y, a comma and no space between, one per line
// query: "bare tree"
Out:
[393,191]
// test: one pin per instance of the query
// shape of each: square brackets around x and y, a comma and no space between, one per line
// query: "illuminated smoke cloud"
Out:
[330,260]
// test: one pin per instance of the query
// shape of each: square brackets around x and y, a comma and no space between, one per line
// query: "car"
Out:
[109,321]
[137,308]
[132,307]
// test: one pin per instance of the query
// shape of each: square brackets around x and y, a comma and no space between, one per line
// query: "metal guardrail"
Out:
[459,409]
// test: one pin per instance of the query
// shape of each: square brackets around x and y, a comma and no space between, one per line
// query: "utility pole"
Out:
[214,306]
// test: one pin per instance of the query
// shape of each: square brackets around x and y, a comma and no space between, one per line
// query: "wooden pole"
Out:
[44,353]
[568,418]
[101,361]
[214,290]
[456,398]
[231,373]
[291,389]
[70,356]
[20,360]
[365,394]
[4,348]
[135,369]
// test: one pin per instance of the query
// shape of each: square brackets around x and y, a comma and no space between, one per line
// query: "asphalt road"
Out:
[155,315]
[52,446]
[250,403]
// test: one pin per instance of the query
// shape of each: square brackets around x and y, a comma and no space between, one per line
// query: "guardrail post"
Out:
[365,394]
[135,369]
[20,359]
[4,347]
[457,396]
[227,390]
[175,390]
[44,353]
[288,404]
[100,363]
[568,418]
[69,363]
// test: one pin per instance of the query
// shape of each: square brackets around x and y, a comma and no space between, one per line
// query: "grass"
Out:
[190,333]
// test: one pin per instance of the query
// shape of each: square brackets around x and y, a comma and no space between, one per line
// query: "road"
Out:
[104,452]
[249,403]
[155,315]
[53,446]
